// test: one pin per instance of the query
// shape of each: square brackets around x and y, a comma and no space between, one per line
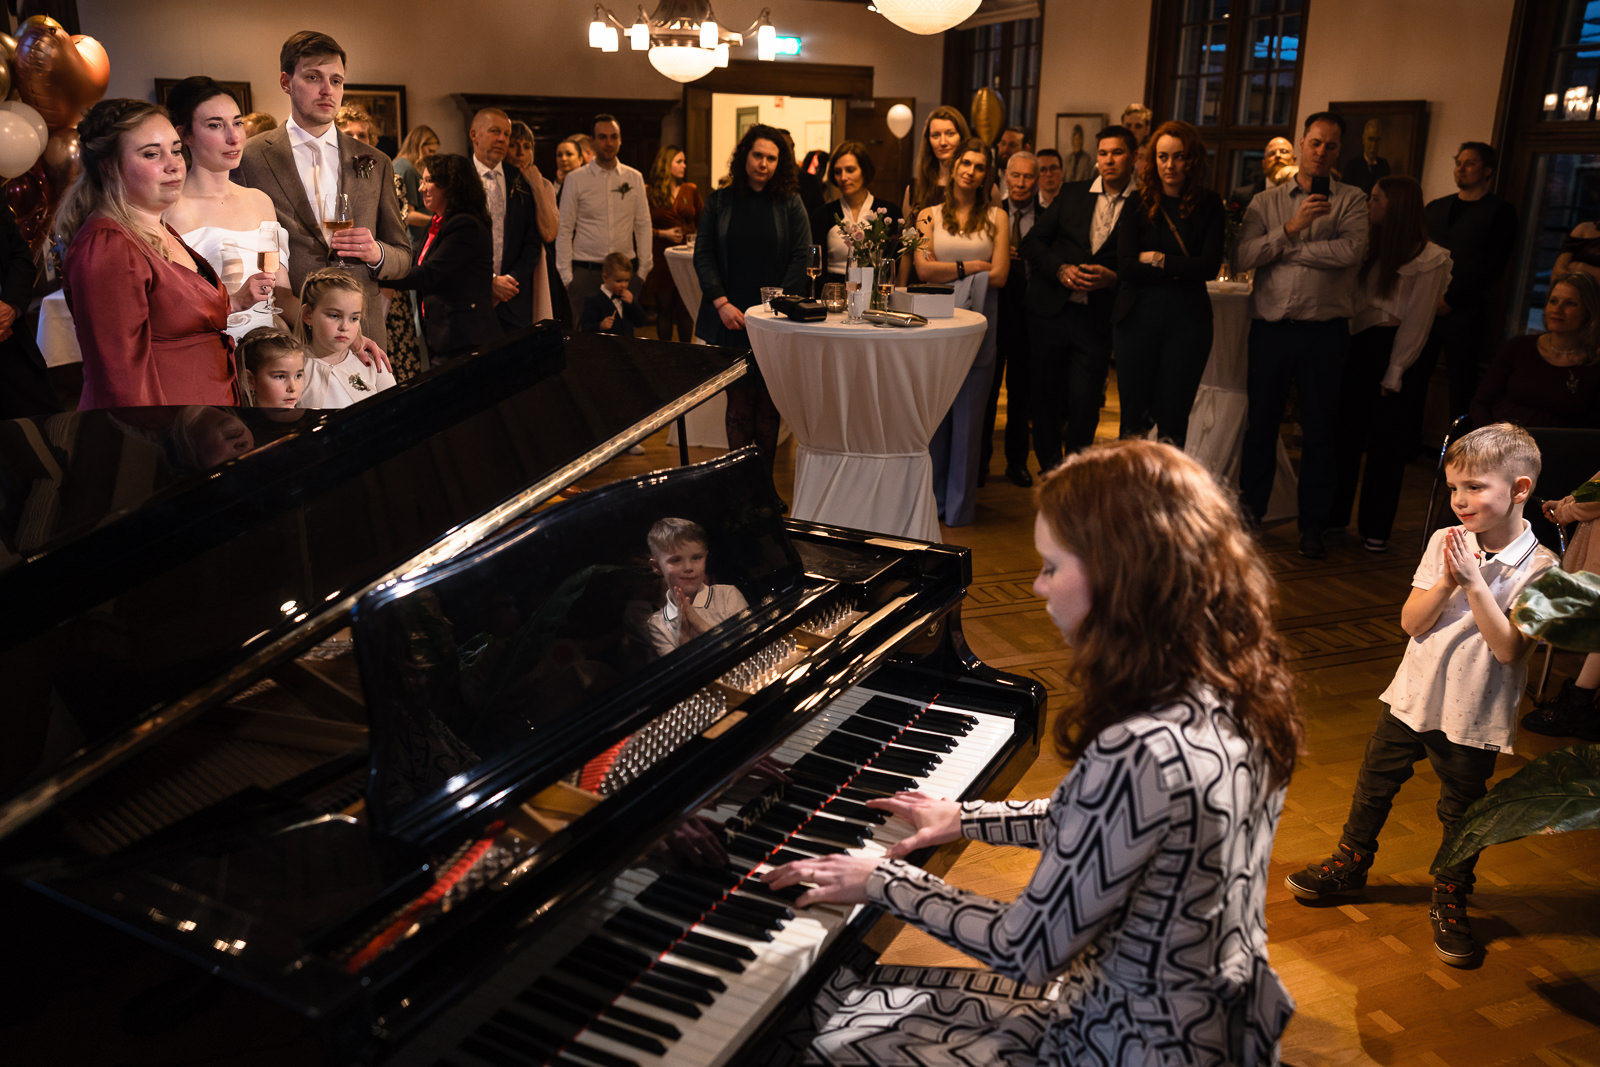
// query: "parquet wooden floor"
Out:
[1369,987]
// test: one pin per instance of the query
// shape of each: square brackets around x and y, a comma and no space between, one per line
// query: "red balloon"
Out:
[30,200]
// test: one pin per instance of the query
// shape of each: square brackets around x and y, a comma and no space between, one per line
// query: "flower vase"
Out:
[883,279]
[860,279]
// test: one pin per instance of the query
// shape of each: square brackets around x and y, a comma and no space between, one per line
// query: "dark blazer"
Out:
[1480,243]
[1061,236]
[598,306]
[1187,273]
[454,281]
[520,252]
[267,163]
[712,266]
[828,215]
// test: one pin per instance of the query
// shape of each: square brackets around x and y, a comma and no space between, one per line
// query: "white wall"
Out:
[1094,60]
[797,114]
[479,46]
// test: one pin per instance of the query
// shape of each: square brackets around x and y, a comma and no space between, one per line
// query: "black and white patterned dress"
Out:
[1140,939]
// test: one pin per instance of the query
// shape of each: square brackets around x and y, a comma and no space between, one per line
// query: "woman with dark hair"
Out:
[942,134]
[454,264]
[850,170]
[1551,378]
[1145,916]
[813,180]
[1168,248]
[149,311]
[753,233]
[1402,280]
[967,243]
[675,207]
[221,220]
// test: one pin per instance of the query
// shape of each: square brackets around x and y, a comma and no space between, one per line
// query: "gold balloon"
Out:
[5,78]
[61,158]
[96,69]
[988,114]
[58,75]
[8,48]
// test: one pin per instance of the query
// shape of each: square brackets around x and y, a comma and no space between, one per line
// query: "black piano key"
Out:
[717,882]
[490,1053]
[814,847]
[867,726]
[640,1021]
[757,888]
[709,957]
[849,809]
[772,835]
[820,780]
[598,1057]
[607,950]
[718,944]
[689,976]
[946,722]
[528,1047]
[843,746]
[625,1036]
[597,975]
[656,931]
[717,920]
[665,1001]
[915,764]
[889,784]
[888,709]
[824,768]
[548,991]
[661,985]
[551,1010]
[927,742]
[749,848]
[789,855]
[756,912]
[840,833]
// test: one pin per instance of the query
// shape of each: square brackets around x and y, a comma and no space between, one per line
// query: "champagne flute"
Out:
[267,259]
[341,220]
[814,267]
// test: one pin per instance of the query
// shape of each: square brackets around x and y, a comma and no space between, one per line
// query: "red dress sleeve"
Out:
[108,282]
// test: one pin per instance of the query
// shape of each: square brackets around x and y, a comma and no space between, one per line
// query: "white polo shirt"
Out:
[1449,679]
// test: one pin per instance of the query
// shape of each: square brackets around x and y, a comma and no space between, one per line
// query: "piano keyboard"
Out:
[691,963]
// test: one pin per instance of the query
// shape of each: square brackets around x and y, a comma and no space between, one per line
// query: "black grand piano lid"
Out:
[529,652]
[128,592]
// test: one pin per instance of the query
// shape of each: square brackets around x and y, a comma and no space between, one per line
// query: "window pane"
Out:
[1216,48]
[1185,101]
[1189,49]
[1564,190]
[1211,106]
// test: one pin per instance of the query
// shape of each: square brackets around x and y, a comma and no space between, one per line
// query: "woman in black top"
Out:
[1170,245]
[850,171]
[753,233]
[456,260]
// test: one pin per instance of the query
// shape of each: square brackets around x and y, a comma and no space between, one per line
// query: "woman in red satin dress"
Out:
[150,313]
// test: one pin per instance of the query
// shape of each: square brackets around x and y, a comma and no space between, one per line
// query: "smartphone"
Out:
[1321,186]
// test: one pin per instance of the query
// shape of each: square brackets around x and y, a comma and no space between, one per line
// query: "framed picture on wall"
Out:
[1075,141]
[240,91]
[1382,137]
[743,119]
[387,106]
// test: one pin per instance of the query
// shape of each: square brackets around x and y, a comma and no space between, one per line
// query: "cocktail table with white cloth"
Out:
[1221,407]
[863,402]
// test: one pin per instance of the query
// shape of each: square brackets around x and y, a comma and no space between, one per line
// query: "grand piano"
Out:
[335,738]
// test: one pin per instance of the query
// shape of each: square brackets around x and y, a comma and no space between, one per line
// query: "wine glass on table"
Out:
[341,220]
[814,267]
[267,259]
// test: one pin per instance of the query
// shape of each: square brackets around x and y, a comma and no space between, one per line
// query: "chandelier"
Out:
[682,36]
[925,16]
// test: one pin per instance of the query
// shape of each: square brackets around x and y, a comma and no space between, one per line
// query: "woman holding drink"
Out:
[234,228]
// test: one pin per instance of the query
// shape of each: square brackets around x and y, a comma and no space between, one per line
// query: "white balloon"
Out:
[19,145]
[899,119]
[26,111]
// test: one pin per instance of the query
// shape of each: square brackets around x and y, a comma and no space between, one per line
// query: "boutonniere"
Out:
[623,189]
[355,379]
[364,165]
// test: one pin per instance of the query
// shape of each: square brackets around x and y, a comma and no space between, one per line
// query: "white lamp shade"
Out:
[639,36]
[722,55]
[682,63]
[767,42]
[612,41]
[708,33]
[597,34]
[926,16]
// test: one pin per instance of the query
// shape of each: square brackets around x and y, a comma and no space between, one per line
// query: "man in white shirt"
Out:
[304,166]
[513,218]
[603,210]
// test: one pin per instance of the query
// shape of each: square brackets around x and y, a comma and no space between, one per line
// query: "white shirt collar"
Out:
[701,599]
[299,135]
[1514,553]
[1098,188]
[484,172]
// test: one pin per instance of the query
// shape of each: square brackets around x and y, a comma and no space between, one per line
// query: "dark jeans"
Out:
[1071,358]
[1378,426]
[1462,338]
[1160,361]
[1011,364]
[1309,356]
[1392,754]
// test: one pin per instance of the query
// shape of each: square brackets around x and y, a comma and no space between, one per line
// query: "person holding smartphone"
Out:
[1305,240]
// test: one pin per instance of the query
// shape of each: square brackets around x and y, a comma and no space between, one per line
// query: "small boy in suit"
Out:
[612,310]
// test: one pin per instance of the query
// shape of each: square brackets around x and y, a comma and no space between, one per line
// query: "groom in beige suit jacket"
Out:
[308,159]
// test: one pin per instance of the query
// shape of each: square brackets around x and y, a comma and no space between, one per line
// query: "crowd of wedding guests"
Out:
[195,232]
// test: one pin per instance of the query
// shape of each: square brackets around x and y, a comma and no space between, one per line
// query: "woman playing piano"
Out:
[1141,937]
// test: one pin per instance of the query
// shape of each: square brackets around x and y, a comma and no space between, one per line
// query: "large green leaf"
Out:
[1563,608]
[1588,492]
[1557,792]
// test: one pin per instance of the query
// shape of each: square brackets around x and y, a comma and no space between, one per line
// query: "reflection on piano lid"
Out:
[140,586]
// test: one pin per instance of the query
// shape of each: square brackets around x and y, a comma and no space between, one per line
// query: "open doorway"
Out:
[808,119]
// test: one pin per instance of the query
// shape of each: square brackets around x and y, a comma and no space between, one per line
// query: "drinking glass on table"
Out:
[341,220]
[767,293]
[267,259]
[814,267]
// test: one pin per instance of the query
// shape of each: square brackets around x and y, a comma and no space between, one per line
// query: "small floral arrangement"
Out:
[364,165]
[879,238]
[624,189]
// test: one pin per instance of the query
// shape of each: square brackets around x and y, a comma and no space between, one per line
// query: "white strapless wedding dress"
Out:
[231,254]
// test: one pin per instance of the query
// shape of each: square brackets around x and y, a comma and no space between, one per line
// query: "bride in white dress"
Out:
[229,225]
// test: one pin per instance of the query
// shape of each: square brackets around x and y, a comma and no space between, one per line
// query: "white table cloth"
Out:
[1221,407]
[706,424]
[863,402]
[57,337]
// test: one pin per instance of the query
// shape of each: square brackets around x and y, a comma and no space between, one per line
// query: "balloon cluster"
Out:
[47,80]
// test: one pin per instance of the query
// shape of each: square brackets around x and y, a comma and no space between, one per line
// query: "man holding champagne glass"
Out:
[332,193]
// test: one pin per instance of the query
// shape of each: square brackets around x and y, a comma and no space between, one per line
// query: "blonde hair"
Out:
[412,148]
[261,346]
[98,189]
[318,284]
[1499,448]
[670,532]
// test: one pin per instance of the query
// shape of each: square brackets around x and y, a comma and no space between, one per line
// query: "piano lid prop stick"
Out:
[447,881]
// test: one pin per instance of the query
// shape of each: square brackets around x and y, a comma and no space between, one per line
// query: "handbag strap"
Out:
[1176,235]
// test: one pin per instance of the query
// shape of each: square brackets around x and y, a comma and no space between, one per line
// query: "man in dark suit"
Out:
[307,162]
[1011,328]
[1071,252]
[512,217]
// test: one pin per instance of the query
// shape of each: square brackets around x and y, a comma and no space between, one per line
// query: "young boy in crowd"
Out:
[613,309]
[678,553]
[1455,696]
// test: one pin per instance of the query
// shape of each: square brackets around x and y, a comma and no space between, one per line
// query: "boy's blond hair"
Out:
[614,264]
[668,533]
[1499,448]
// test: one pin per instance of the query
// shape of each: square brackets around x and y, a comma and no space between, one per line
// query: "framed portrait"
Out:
[1382,137]
[743,119]
[1075,141]
[387,106]
[240,91]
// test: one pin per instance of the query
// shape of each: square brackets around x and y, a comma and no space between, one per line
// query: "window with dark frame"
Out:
[1231,68]
[1003,56]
